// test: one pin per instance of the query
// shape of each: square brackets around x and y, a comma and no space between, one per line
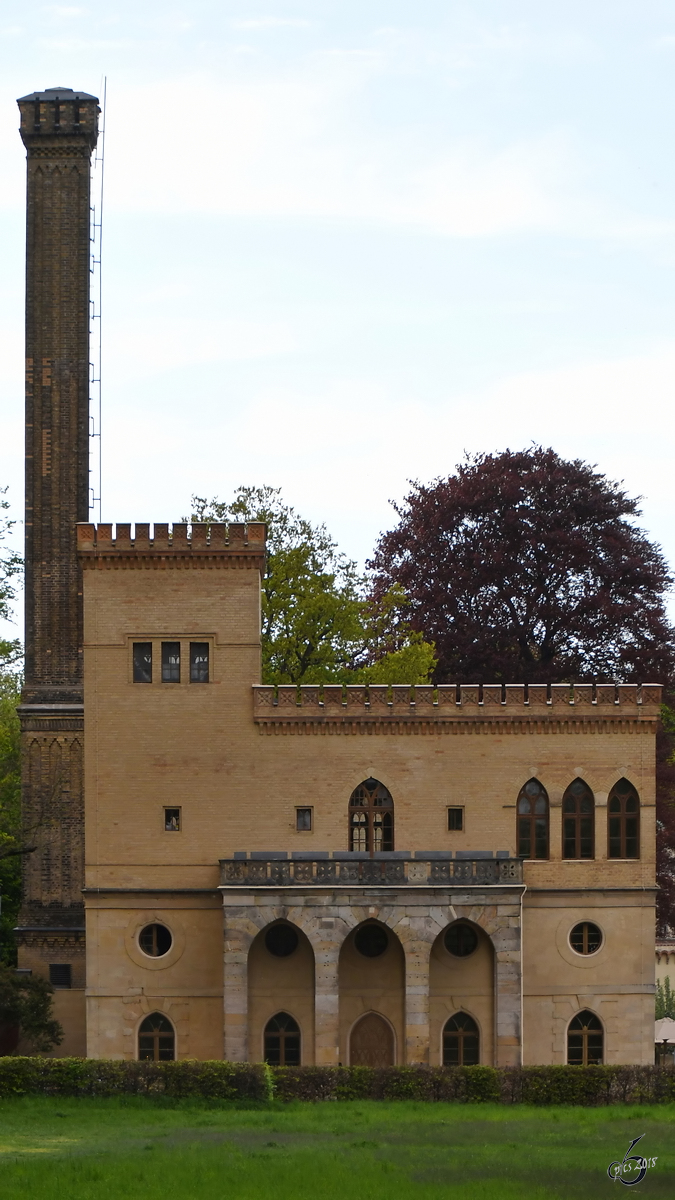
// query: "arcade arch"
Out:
[372,993]
[280,980]
[462,979]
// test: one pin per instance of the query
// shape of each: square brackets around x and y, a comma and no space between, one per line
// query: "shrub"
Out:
[259,1082]
[105,1077]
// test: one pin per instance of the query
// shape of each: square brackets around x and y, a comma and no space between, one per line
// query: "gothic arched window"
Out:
[460,1042]
[532,811]
[371,817]
[623,821]
[156,1039]
[578,821]
[282,1041]
[585,1040]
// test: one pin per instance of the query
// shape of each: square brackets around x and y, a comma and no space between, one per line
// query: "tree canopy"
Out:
[10,566]
[317,625]
[26,1006]
[526,567]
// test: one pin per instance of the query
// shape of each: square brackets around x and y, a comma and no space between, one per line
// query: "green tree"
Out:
[317,626]
[665,1000]
[10,566]
[10,774]
[26,1004]
[11,840]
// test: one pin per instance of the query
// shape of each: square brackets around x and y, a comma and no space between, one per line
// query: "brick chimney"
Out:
[59,128]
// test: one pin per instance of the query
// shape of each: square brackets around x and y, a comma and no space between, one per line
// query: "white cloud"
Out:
[60,12]
[297,146]
[272,23]
[157,343]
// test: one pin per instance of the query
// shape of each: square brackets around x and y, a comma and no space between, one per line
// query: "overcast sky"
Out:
[346,242]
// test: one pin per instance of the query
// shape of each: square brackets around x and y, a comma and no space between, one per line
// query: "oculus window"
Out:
[586,938]
[155,940]
[281,940]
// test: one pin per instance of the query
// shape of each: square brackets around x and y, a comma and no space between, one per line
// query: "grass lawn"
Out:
[367,1150]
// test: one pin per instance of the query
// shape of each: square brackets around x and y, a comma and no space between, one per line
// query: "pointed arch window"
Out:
[156,1039]
[461,1042]
[623,821]
[578,821]
[371,818]
[585,1040]
[532,812]
[282,1041]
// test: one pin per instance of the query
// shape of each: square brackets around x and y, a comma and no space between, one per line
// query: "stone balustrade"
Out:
[347,869]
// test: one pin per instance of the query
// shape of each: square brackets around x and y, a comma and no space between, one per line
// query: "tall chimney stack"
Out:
[59,128]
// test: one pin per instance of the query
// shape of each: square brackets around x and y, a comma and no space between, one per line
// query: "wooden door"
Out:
[371,1043]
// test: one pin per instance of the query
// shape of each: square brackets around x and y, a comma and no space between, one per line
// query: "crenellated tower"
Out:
[59,128]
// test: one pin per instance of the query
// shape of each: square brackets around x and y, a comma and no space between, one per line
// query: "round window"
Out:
[586,938]
[281,940]
[155,940]
[371,941]
[461,940]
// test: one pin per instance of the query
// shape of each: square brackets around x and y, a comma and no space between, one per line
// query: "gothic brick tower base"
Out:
[59,129]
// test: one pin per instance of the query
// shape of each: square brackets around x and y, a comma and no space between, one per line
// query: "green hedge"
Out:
[105,1077]
[258,1082]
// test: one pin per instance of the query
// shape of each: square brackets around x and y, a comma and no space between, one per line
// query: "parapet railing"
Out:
[398,868]
[177,538]
[331,702]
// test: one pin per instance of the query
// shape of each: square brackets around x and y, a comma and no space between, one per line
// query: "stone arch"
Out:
[280,980]
[371,982]
[462,983]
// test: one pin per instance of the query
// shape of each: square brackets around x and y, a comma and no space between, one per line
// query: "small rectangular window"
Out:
[60,975]
[199,662]
[455,820]
[170,662]
[172,820]
[142,662]
[303,820]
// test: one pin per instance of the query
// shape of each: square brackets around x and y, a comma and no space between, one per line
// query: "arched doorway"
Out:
[371,1043]
[372,984]
[281,981]
[156,1039]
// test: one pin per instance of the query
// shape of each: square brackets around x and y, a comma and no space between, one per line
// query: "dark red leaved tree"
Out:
[526,567]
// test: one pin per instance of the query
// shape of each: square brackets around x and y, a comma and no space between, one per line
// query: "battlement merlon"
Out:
[361,706]
[244,543]
[59,115]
